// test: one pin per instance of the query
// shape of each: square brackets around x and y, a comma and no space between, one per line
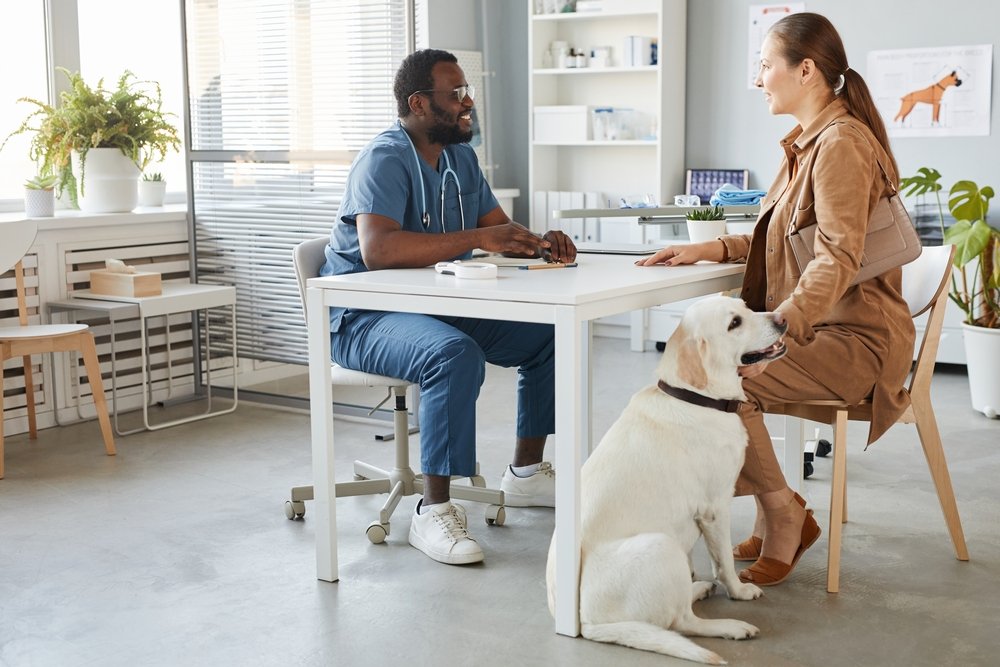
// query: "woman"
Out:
[847,342]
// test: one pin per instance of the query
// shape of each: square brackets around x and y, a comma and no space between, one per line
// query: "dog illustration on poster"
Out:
[932,95]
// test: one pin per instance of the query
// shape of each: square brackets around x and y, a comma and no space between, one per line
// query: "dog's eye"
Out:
[737,321]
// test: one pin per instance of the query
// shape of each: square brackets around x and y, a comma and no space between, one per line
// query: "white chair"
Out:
[26,339]
[308,258]
[925,282]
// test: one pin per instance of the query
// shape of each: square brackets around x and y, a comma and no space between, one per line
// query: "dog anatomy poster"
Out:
[933,92]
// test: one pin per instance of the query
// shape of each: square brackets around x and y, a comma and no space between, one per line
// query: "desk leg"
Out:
[321,416]
[572,441]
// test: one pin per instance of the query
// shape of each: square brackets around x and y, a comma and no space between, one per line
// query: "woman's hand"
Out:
[675,255]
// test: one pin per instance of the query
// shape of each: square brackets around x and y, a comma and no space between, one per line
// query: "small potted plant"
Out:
[98,140]
[152,189]
[706,223]
[975,287]
[39,196]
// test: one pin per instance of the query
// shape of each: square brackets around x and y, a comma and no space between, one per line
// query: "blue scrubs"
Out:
[444,356]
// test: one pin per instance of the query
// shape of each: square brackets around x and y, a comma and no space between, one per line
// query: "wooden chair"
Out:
[25,339]
[925,289]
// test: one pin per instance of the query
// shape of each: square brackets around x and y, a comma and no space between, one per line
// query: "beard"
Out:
[446,130]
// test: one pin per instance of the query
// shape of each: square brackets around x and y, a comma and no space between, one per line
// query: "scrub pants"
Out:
[446,357]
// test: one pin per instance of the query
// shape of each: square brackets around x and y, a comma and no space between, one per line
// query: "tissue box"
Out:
[565,124]
[143,283]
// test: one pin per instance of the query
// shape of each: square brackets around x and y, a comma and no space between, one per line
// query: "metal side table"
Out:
[176,298]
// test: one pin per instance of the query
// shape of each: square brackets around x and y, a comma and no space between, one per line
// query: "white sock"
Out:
[525,471]
[423,508]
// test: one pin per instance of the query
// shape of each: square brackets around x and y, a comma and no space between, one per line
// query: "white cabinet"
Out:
[631,152]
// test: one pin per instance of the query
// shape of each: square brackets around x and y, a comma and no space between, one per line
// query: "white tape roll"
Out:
[470,270]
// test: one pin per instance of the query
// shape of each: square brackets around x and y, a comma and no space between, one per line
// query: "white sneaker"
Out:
[539,490]
[441,533]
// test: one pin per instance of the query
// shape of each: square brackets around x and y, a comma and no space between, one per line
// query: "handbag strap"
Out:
[885,174]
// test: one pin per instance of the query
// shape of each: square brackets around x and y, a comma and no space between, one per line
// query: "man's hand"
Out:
[560,249]
[513,239]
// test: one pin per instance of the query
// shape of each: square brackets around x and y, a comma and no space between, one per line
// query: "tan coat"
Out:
[852,337]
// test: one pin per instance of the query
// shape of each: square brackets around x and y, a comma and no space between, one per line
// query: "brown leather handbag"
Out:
[891,239]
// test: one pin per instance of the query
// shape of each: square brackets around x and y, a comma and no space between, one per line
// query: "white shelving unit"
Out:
[612,169]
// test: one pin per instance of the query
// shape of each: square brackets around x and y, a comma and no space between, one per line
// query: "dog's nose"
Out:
[779,319]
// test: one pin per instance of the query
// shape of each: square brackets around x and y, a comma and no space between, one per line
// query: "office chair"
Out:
[26,339]
[308,258]
[925,282]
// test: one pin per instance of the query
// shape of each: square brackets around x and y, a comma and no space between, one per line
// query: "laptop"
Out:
[616,248]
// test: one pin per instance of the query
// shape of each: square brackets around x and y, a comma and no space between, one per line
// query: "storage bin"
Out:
[567,124]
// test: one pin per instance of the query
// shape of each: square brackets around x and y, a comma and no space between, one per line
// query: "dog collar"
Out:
[697,399]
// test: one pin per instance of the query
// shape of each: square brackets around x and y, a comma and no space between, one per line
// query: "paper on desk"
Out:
[500,260]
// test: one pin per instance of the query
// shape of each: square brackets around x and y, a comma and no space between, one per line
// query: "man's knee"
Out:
[459,356]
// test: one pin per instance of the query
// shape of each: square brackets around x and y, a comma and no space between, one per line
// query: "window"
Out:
[282,94]
[150,49]
[22,49]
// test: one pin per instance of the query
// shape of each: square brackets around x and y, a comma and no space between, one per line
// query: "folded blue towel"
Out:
[730,195]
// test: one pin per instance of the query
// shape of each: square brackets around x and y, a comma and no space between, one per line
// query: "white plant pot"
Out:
[982,353]
[705,230]
[740,227]
[39,203]
[151,193]
[109,181]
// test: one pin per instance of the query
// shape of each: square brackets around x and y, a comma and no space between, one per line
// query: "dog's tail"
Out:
[649,637]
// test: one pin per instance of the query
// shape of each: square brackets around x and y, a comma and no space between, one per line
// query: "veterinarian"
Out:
[847,342]
[415,196]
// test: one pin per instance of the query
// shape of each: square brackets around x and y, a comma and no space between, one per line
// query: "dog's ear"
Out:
[690,367]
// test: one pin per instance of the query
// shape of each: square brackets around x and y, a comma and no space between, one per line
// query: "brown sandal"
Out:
[770,571]
[749,549]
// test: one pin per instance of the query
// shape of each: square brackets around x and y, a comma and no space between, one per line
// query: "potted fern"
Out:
[705,223]
[975,286]
[39,198]
[152,189]
[98,140]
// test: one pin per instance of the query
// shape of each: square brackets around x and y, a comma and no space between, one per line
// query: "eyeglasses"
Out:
[460,93]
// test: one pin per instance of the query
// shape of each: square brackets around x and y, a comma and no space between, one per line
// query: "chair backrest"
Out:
[925,282]
[926,276]
[17,239]
[308,258]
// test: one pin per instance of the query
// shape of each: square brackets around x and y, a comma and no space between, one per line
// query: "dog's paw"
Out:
[743,591]
[735,629]
[701,590]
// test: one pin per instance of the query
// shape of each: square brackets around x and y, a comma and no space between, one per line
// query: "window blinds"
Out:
[282,94]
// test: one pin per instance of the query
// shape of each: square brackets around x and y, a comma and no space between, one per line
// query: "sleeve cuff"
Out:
[798,326]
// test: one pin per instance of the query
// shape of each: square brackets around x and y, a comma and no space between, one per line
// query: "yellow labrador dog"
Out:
[663,474]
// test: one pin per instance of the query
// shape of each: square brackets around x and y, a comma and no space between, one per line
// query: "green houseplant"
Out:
[705,223]
[152,189]
[976,287]
[39,199]
[128,118]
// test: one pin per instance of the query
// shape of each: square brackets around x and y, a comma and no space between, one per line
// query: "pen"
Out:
[550,265]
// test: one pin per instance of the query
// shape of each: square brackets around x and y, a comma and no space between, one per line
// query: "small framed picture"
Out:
[704,182]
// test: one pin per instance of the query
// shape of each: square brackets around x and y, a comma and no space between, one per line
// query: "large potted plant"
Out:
[976,287]
[97,140]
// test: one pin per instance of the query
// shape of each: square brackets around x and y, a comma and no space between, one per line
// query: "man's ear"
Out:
[690,366]
[416,103]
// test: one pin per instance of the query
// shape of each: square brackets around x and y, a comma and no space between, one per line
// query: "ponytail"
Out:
[858,100]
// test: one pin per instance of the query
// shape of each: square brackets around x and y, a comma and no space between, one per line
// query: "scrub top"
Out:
[385,180]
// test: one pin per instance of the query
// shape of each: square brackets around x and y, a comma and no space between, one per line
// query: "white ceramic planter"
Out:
[110,180]
[982,351]
[151,193]
[705,230]
[39,203]
[740,227]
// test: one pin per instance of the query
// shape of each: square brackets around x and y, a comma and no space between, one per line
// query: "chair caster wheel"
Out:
[495,515]
[295,509]
[807,470]
[823,448]
[661,345]
[377,532]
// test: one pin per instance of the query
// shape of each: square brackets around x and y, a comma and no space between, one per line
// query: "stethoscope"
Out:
[426,217]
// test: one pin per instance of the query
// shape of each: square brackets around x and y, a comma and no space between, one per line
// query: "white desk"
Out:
[175,298]
[567,298]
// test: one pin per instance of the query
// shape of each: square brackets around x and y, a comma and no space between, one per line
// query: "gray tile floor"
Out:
[177,552]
